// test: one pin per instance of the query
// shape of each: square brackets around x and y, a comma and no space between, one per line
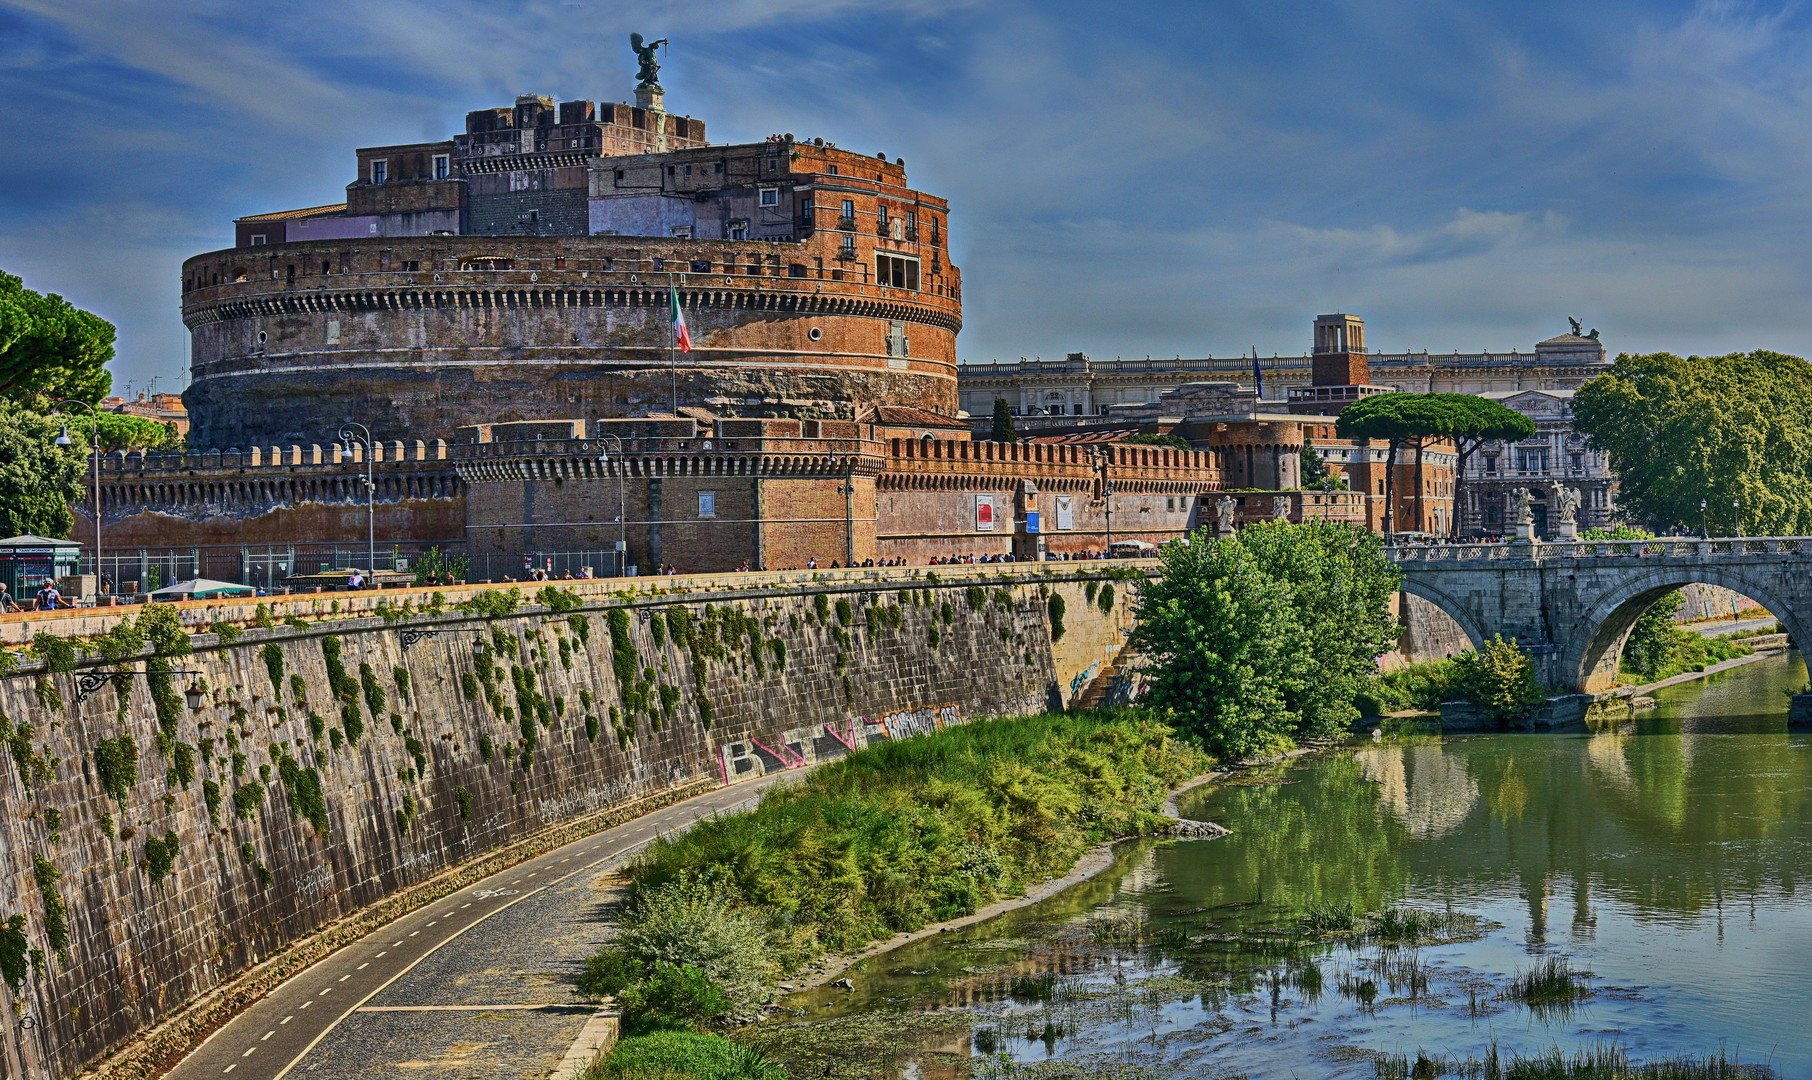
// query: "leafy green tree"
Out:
[1313,470]
[1725,429]
[122,432]
[1501,679]
[50,349]
[38,478]
[1473,422]
[1341,586]
[1174,442]
[1403,421]
[1653,640]
[1267,636]
[1227,650]
[1003,422]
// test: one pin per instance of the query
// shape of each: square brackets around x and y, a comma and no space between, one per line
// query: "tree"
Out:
[1725,429]
[1416,421]
[122,432]
[1474,422]
[1265,637]
[1341,586]
[38,478]
[1226,649]
[50,349]
[1653,639]
[1003,423]
[1315,472]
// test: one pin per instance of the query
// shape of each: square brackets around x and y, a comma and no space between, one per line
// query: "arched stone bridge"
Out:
[1571,604]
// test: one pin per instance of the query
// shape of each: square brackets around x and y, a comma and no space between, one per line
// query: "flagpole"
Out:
[672,336]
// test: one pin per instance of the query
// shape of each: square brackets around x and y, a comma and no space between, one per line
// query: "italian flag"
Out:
[680,333]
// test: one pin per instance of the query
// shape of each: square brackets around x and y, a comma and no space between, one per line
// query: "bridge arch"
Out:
[1590,652]
[1450,606]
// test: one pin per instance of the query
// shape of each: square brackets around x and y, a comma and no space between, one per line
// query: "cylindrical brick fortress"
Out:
[416,336]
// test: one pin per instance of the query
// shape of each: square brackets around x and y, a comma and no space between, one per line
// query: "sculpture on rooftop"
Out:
[1578,330]
[650,67]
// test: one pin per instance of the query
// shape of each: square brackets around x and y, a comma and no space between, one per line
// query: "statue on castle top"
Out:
[1578,329]
[1223,516]
[650,67]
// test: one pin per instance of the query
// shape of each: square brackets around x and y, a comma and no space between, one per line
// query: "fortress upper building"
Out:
[521,271]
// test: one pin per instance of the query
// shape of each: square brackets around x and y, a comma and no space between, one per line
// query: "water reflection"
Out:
[1663,855]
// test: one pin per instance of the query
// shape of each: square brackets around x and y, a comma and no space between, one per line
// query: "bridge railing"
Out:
[1662,547]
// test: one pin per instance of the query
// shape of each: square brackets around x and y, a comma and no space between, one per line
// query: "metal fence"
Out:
[271,566]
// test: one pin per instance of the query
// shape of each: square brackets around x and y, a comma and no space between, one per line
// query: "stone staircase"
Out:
[1098,692]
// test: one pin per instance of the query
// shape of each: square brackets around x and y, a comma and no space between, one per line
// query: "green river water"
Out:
[1661,855]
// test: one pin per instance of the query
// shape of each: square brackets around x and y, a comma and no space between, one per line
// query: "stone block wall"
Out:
[152,925]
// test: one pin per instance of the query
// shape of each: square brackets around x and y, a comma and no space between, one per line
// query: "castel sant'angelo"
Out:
[499,310]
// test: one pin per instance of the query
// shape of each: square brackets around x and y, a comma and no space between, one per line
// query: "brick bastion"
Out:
[416,336]
[183,846]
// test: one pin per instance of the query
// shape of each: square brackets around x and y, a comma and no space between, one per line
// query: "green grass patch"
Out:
[682,1055]
[930,828]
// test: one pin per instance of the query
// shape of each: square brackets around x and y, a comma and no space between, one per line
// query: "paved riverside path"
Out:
[477,984]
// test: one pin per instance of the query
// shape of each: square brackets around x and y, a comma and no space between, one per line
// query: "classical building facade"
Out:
[1079,386]
[1556,457]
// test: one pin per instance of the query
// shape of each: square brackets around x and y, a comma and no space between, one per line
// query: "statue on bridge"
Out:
[1566,501]
[1520,514]
[1280,508]
[1223,516]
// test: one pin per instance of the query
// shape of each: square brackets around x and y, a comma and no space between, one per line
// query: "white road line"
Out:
[268,1034]
[343,978]
[329,990]
[306,1004]
[363,966]
[394,944]
[412,933]
[248,1051]
[286,1020]
[462,907]
[381,955]
[231,1067]
[435,921]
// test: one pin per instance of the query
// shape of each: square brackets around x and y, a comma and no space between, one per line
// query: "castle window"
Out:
[380,171]
[833,171]
[720,167]
[682,232]
[619,176]
[707,504]
[896,338]
[660,265]
[443,166]
[688,170]
[770,196]
[412,265]
[773,163]
[669,170]
[849,245]
[257,239]
[739,230]
[898,271]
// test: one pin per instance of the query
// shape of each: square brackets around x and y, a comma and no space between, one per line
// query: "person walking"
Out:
[7,603]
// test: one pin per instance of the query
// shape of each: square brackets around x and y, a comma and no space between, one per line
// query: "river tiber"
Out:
[904,542]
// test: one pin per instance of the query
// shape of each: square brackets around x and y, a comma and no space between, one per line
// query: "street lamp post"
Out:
[622,504]
[1736,515]
[94,422]
[346,435]
[1704,522]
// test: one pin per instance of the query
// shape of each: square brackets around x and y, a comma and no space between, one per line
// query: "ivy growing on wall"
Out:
[116,764]
[273,663]
[56,913]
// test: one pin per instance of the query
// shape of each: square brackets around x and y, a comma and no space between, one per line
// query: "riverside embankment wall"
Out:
[785,671]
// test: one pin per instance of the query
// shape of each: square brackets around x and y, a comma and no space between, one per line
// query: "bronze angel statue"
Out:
[650,67]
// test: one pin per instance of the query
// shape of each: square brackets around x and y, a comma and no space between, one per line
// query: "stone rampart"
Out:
[330,765]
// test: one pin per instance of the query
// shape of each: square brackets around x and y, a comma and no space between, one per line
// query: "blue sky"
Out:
[1126,179]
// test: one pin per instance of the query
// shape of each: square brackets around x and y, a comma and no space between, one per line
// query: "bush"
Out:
[1415,686]
[674,992]
[1501,679]
[703,927]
